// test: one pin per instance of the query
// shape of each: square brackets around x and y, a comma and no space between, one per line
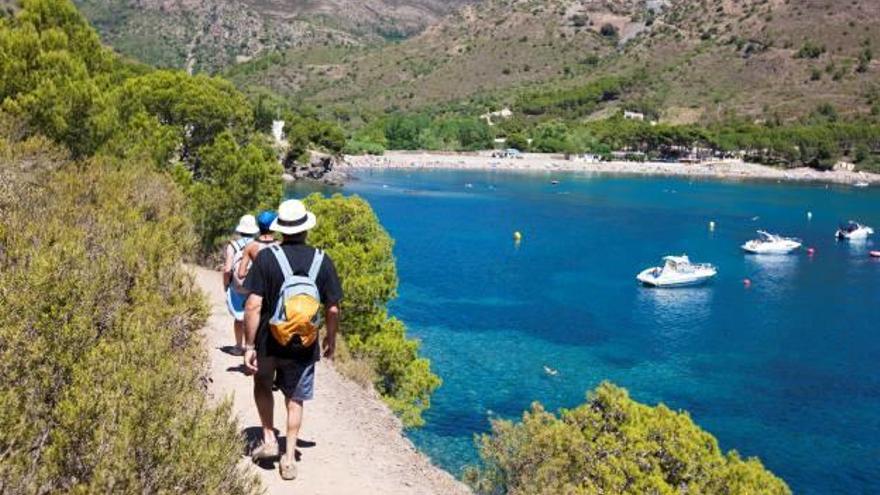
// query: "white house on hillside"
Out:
[278,131]
[504,113]
[633,115]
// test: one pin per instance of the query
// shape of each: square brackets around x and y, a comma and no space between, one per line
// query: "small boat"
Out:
[861,184]
[554,182]
[771,244]
[550,371]
[853,231]
[677,271]
[874,254]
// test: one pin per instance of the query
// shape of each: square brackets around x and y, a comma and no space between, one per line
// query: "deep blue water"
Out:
[787,369]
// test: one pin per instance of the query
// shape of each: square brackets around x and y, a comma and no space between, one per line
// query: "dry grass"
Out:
[357,369]
[711,58]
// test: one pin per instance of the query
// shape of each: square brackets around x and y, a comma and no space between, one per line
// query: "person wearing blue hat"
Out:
[264,240]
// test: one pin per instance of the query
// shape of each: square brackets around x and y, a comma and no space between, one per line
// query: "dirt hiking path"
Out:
[350,442]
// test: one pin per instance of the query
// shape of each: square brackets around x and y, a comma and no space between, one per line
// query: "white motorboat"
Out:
[861,184]
[677,271]
[853,231]
[771,244]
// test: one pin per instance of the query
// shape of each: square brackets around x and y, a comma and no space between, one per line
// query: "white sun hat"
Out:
[293,218]
[247,225]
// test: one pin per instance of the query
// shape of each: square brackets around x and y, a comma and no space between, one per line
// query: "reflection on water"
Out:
[775,268]
[676,308]
[859,244]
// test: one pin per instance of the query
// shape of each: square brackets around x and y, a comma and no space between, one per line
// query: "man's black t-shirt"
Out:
[265,278]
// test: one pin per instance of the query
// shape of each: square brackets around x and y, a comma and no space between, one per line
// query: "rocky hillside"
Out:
[207,35]
[685,60]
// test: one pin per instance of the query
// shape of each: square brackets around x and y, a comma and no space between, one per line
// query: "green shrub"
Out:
[358,147]
[810,50]
[865,57]
[608,30]
[612,444]
[100,357]
[571,102]
[362,251]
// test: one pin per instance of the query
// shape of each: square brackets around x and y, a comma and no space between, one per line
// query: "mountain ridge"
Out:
[207,35]
[699,61]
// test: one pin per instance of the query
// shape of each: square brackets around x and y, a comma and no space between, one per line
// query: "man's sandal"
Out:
[287,467]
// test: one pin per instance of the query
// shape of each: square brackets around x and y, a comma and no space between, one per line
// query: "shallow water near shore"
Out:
[787,369]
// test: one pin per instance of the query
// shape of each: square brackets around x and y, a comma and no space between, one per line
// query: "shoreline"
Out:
[735,170]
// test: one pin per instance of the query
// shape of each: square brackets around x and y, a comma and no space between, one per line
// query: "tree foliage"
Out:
[58,80]
[441,132]
[362,251]
[102,388]
[612,444]
[231,179]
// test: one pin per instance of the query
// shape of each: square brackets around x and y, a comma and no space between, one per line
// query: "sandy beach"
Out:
[538,162]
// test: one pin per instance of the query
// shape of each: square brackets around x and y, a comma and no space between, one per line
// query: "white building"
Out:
[278,131]
[633,115]
[504,113]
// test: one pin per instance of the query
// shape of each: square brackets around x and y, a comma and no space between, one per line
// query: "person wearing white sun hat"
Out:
[290,364]
[246,229]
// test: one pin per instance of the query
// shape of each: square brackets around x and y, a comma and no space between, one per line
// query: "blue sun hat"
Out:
[265,219]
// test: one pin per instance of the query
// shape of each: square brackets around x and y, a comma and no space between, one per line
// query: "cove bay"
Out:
[784,368]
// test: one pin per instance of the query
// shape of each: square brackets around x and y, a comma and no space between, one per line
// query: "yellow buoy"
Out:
[517,236]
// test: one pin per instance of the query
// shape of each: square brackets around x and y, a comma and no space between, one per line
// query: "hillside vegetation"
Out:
[100,359]
[693,61]
[110,174]
[114,172]
[206,35]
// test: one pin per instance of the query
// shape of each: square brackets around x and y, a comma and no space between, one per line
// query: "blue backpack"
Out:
[299,300]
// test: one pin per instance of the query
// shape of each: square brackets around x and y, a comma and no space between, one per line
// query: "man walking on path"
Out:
[291,365]
[246,229]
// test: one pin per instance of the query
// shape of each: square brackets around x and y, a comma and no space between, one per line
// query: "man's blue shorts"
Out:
[295,380]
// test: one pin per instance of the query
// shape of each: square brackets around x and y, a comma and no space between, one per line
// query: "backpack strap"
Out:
[239,244]
[283,262]
[316,265]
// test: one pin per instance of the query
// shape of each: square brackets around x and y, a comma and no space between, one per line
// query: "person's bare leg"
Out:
[294,421]
[265,405]
[238,329]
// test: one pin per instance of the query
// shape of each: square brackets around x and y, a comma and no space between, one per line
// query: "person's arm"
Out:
[227,266]
[252,308]
[331,317]
[331,293]
[245,261]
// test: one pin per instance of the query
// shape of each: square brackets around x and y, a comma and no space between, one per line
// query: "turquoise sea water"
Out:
[787,369]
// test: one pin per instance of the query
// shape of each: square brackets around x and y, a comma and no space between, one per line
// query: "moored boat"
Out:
[853,231]
[677,271]
[769,243]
